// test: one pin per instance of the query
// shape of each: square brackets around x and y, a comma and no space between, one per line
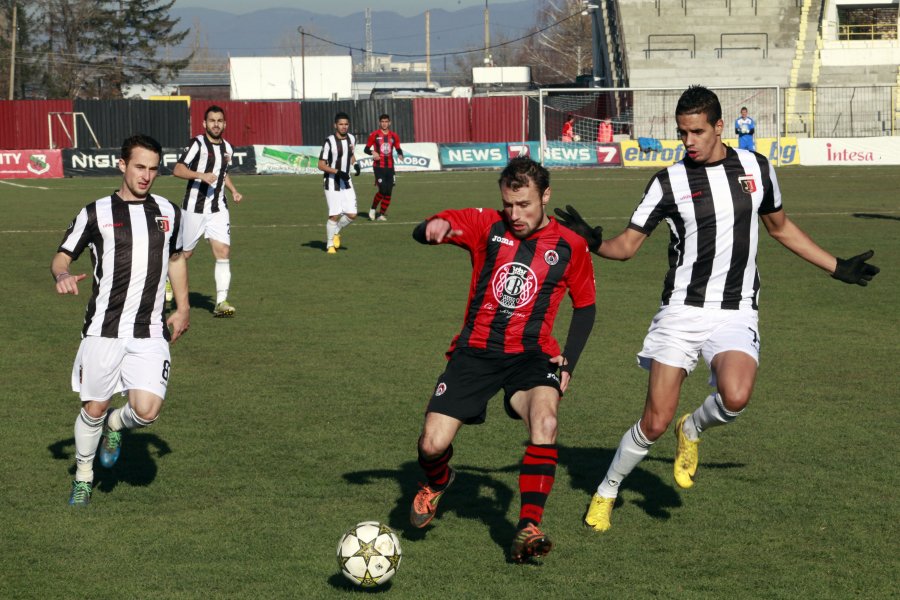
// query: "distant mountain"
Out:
[273,32]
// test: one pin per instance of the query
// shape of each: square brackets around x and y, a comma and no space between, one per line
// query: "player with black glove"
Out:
[856,269]
[571,219]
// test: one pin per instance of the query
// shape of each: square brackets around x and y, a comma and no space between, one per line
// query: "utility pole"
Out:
[428,48]
[302,62]
[370,58]
[12,56]
[487,35]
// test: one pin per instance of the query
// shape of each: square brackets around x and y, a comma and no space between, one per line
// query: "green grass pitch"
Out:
[298,418]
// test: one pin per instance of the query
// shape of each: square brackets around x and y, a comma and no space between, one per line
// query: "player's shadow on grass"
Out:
[320,245]
[201,301]
[586,466]
[876,216]
[474,495]
[137,464]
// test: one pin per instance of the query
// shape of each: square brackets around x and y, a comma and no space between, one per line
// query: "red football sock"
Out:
[536,475]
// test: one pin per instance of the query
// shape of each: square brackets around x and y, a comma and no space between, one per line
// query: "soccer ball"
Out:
[369,554]
[577,138]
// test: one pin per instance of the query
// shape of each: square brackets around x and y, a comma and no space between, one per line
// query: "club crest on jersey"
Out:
[163,224]
[748,183]
[551,257]
[514,285]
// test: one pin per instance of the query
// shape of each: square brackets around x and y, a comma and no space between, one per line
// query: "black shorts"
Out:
[384,179]
[472,377]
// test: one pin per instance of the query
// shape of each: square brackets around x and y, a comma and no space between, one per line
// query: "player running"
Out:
[204,163]
[523,262]
[712,201]
[135,241]
[381,146]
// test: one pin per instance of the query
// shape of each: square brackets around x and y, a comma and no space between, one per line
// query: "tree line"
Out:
[87,48]
[95,48]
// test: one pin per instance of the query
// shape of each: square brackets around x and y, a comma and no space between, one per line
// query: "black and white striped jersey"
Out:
[205,157]
[130,243]
[712,212]
[338,155]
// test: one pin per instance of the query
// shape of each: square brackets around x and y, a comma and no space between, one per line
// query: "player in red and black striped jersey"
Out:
[523,263]
[381,145]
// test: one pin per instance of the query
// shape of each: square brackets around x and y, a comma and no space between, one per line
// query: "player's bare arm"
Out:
[235,195]
[323,166]
[182,171]
[788,234]
[66,283]
[179,321]
[623,246]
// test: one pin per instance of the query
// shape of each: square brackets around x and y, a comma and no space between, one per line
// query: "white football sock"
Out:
[223,279]
[632,449]
[331,228]
[130,420]
[711,413]
[88,431]
[343,222]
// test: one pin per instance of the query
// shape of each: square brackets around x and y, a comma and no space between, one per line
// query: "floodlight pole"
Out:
[303,61]
[12,55]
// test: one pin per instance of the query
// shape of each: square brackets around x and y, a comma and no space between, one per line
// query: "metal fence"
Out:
[861,111]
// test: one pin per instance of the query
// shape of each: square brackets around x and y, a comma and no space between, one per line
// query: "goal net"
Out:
[636,113]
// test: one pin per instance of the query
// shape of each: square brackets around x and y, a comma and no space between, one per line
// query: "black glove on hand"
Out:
[343,176]
[367,150]
[571,219]
[856,270]
[356,168]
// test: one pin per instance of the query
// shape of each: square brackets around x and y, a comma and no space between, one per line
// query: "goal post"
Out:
[72,135]
[635,113]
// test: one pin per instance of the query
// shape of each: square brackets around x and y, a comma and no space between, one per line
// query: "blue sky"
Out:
[345,7]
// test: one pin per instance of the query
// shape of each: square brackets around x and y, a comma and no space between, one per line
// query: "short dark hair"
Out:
[212,109]
[384,116]
[697,100]
[521,171]
[140,141]
[341,115]
[743,108]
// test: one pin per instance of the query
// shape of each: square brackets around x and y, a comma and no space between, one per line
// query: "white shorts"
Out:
[341,201]
[105,366]
[215,226]
[678,335]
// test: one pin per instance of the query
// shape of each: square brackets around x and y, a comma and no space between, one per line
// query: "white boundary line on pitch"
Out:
[19,185]
[413,223]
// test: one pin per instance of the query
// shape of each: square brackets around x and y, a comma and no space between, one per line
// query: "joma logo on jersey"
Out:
[163,224]
[514,285]
[502,240]
[748,183]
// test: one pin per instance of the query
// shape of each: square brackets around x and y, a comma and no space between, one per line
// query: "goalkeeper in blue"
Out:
[745,128]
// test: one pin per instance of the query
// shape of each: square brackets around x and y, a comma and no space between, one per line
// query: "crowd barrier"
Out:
[303,160]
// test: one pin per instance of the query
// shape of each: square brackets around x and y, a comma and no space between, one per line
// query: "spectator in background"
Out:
[605,132]
[568,132]
[745,127]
